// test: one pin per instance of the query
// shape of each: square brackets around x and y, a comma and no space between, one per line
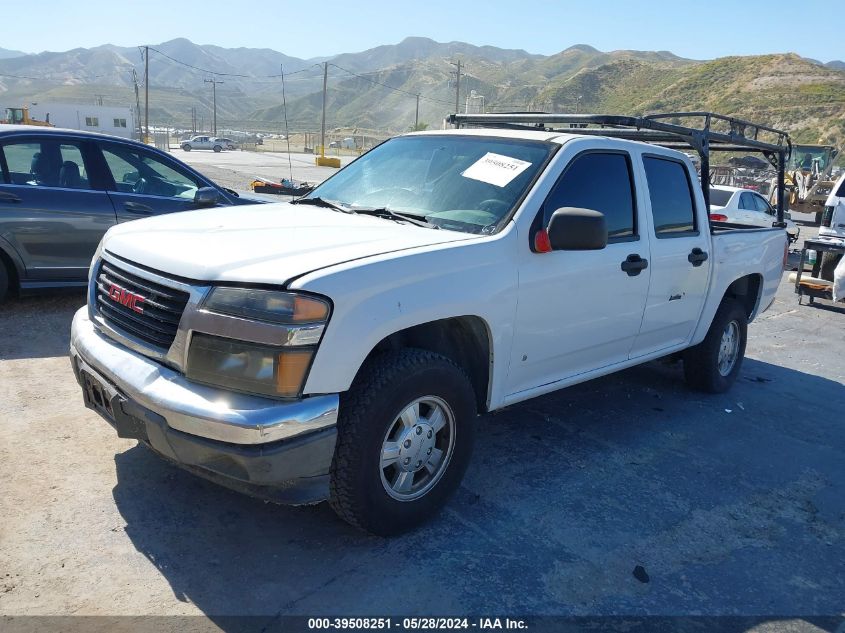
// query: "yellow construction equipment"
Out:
[808,179]
[20,116]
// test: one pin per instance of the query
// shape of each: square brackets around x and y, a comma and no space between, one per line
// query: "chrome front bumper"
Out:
[195,409]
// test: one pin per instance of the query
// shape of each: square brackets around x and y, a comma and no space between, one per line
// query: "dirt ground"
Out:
[731,504]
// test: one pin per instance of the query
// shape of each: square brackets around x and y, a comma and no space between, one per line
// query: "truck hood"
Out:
[265,243]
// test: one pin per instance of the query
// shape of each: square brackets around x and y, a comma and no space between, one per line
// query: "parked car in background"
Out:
[736,205]
[61,190]
[203,142]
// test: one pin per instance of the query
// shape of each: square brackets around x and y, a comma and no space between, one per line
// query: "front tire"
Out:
[186,148]
[4,281]
[217,148]
[714,364]
[405,436]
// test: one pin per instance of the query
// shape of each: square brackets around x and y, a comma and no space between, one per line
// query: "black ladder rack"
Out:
[659,129]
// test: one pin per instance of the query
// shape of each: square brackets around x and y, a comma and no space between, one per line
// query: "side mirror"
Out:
[206,197]
[573,229]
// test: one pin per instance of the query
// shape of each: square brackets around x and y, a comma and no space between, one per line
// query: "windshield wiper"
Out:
[322,202]
[384,212]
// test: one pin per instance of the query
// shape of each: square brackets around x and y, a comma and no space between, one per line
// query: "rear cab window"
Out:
[671,195]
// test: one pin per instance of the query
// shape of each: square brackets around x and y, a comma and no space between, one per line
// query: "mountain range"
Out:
[376,89]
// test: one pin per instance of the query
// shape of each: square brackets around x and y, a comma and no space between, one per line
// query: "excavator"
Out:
[20,116]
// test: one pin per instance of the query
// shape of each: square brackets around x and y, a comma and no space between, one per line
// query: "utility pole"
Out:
[417,115]
[457,86]
[146,94]
[137,102]
[323,127]
[214,83]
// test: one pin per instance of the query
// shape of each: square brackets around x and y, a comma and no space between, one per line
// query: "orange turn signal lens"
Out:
[306,309]
[291,367]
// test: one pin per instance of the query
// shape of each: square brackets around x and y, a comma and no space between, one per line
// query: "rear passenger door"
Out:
[680,263]
[53,208]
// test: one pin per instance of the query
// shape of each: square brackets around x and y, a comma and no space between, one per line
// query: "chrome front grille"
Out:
[144,309]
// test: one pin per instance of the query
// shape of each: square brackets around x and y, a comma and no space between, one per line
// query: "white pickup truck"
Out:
[342,345]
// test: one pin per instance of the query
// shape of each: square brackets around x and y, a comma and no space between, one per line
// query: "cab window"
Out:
[601,181]
[670,192]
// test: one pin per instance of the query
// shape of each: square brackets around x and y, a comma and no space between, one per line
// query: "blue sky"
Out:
[699,30]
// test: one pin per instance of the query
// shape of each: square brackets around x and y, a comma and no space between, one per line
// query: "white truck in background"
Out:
[204,142]
[342,345]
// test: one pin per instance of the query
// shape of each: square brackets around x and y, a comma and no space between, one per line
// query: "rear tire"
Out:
[392,470]
[714,364]
[217,148]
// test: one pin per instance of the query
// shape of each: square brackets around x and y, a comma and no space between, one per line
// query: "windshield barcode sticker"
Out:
[495,169]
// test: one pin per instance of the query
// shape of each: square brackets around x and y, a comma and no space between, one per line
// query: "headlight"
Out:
[258,368]
[267,305]
[249,367]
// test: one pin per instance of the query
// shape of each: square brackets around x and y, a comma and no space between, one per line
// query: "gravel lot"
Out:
[731,504]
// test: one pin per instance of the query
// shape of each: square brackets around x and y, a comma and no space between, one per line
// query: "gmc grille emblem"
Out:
[126,298]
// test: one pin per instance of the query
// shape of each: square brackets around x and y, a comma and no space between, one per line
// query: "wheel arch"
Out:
[14,266]
[466,340]
[747,290]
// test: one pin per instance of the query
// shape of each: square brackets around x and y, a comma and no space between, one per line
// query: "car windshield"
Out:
[719,197]
[460,183]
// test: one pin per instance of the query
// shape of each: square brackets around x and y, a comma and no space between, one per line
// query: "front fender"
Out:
[382,295]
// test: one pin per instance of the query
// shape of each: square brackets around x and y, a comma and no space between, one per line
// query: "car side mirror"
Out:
[206,197]
[574,229]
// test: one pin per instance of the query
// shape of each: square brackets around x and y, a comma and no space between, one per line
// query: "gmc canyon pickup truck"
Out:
[342,345]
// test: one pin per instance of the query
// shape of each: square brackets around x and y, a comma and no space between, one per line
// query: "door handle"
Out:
[697,257]
[137,207]
[8,197]
[634,265]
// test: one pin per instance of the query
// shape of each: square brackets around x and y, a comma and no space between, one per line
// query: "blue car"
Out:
[61,190]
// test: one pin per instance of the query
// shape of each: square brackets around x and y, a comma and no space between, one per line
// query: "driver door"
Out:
[145,185]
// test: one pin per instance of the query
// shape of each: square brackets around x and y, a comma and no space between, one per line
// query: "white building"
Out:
[115,120]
